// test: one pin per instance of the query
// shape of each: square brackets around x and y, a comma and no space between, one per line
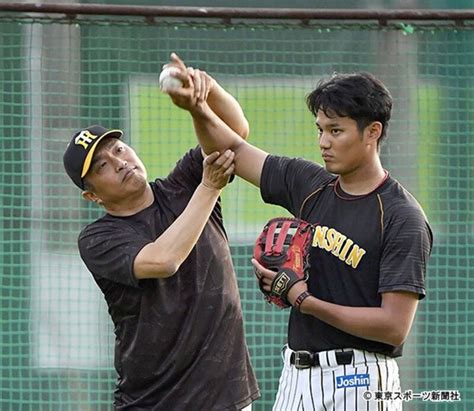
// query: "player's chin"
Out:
[136,179]
[332,168]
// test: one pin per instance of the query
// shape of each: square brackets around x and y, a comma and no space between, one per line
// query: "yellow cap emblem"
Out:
[84,139]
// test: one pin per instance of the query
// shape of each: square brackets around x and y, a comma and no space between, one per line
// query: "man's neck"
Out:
[131,205]
[363,180]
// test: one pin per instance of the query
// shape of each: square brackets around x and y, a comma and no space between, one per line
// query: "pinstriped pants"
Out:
[333,387]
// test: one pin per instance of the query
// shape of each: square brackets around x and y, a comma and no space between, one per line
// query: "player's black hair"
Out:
[359,96]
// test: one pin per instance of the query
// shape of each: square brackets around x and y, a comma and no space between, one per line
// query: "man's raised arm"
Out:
[218,120]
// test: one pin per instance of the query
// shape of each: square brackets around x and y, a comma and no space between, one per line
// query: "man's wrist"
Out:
[210,188]
[200,111]
[299,300]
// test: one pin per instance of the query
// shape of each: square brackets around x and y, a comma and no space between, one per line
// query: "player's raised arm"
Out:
[205,88]
[218,118]
[214,134]
[220,101]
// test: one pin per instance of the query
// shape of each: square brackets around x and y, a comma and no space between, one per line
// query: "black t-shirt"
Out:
[180,341]
[363,246]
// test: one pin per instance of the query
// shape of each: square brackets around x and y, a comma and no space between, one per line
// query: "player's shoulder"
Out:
[103,226]
[398,201]
[299,167]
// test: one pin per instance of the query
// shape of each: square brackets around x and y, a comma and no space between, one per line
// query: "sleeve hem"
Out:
[411,288]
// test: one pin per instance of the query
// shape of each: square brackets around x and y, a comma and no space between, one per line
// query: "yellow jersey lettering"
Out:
[343,253]
[355,256]
[338,242]
[319,239]
[330,239]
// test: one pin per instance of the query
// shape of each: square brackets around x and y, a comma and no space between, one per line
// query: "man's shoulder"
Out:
[103,226]
[398,201]
[305,168]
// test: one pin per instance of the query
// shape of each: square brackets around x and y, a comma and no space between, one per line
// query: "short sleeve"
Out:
[109,249]
[406,248]
[288,181]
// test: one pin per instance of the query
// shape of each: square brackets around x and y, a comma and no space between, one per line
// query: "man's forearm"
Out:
[214,135]
[228,109]
[389,324]
[164,256]
[212,132]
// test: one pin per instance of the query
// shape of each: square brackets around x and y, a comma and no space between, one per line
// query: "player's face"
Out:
[116,171]
[343,146]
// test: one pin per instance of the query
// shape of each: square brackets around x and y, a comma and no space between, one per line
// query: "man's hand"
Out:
[197,84]
[217,169]
[266,276]
[203,84]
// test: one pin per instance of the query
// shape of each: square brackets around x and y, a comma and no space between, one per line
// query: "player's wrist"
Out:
[200,111]
[209,187]
[302,297]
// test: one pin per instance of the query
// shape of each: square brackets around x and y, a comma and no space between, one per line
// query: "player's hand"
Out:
[203,84]
[267,277]
[217,169]
[184,97]
[197,84]
[263,274]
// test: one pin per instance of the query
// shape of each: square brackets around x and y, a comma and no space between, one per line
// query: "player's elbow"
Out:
[395,340]
[244,130]
[155,271]
[155,265]
[397,336]
[168,269]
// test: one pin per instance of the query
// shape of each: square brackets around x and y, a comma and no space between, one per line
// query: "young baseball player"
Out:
[160,256]
[369,251]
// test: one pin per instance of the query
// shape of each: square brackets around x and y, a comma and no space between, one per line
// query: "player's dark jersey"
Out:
[363,246]
[179,341]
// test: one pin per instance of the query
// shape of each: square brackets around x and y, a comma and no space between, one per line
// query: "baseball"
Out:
[167,82]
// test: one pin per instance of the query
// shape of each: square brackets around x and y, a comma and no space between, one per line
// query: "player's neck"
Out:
[131,205]
[363,180]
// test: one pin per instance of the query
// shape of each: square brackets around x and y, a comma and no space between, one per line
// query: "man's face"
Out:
[344,148]
[116,171]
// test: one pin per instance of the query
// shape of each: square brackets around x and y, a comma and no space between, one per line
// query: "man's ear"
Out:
[373,132]
[90,196]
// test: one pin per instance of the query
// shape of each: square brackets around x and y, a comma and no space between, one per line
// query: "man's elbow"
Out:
[244,130]
[397,336]
[168,269]
[156,269]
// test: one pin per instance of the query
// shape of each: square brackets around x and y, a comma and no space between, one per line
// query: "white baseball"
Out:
[167,82]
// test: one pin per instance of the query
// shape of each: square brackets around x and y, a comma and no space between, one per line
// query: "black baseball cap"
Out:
[80,150]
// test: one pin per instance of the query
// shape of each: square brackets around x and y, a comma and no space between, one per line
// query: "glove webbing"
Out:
[282,239]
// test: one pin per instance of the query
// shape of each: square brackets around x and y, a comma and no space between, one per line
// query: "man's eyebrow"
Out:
[331,125]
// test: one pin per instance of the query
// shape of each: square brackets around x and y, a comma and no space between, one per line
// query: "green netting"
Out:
[56,336]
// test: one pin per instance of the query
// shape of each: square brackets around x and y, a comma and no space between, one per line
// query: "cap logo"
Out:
[84,139]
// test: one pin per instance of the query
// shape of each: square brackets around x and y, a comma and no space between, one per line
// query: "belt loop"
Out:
[360,357]
[323,359]
[286,354]
[327,359]
[331,358]
[283,352]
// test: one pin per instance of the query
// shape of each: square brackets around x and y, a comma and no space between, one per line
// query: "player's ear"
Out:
[90,196]
[373,132]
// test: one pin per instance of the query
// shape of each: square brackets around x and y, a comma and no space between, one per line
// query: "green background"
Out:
[57,76]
